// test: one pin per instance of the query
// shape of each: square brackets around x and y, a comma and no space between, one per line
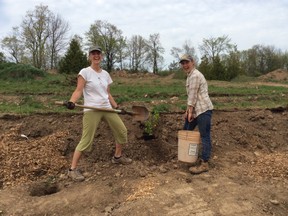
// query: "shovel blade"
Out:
[140,113]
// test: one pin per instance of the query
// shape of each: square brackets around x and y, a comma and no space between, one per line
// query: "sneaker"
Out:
[76,175]
[122,160]
[203,167]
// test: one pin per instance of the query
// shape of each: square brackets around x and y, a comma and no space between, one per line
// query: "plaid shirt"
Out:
[197,91]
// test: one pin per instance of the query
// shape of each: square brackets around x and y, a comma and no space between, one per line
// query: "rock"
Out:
[142,173]
[163,169]
[275,202]
[118,174]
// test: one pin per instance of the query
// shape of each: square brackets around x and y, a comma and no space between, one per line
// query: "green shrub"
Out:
[12,71]
[151,124]
[5,65]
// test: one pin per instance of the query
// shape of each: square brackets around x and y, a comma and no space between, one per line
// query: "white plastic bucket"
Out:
[188,145]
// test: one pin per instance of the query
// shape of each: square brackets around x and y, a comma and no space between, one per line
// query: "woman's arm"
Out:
[79,89]
[111,99]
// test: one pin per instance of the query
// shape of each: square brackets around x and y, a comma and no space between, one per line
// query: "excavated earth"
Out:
[248,171]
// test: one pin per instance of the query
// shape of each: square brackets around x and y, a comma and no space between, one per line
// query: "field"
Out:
[249,165]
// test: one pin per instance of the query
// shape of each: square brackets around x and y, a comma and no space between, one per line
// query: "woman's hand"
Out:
[190,116]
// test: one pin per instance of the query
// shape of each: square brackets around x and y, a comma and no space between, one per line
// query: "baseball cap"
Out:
[95,48]
[186,57]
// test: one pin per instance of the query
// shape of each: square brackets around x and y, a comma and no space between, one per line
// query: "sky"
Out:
[245,22]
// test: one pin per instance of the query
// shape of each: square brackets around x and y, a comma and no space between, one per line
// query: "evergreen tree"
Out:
[2,57]
[218,69]
[74,59]
[232,66]
[206,68]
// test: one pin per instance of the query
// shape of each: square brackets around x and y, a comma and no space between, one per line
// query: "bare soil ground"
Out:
[248,175]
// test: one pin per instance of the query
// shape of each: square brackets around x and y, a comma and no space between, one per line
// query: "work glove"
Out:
[122,110]
[70,105]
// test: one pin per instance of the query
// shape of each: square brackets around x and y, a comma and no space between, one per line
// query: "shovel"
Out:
[139,113]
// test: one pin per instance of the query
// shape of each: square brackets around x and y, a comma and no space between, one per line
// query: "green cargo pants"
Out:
[91,120]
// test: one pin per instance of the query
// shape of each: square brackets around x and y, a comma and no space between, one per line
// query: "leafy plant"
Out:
[151,123]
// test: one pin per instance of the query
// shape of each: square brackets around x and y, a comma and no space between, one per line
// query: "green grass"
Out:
[247,90]
[38,95]
[51,84]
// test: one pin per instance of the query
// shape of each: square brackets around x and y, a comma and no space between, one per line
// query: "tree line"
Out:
[42,37]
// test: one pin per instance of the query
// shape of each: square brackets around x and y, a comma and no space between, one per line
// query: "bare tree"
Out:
[176,52]
[36,32]
[39,39]
[13,45]
[215,47]
[220,58]
[44,36]
[109,38]
[137,48]
[57,38]
[187,48]
[121,51]
[155,51]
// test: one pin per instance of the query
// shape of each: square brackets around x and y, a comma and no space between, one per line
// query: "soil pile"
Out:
[277,75]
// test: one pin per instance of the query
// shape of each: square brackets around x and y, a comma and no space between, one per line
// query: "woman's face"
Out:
[95,56]
[187,66]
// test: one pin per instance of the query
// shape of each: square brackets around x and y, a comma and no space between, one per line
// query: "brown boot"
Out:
[197,162]
[203,167]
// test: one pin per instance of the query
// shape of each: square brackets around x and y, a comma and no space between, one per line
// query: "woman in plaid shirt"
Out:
[199,110]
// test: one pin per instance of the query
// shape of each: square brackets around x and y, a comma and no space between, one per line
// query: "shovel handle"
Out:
[96,108]
[99,109]
[138,114]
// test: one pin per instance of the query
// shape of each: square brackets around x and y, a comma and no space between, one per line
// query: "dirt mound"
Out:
[126,74]
[277,75]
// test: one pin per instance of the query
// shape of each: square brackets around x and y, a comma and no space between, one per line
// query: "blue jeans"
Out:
[204,125]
